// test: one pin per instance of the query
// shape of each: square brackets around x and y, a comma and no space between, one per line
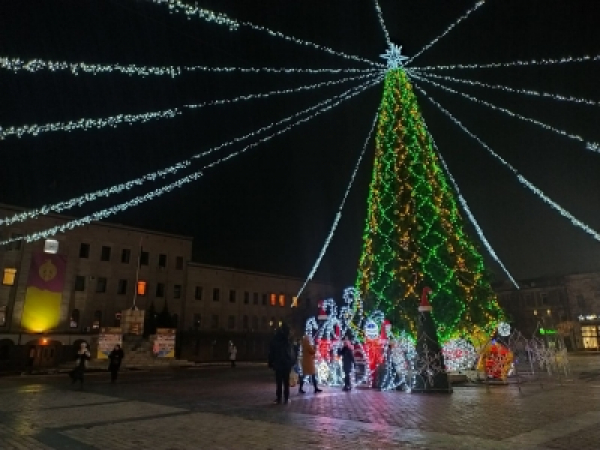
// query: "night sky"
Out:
[271,208]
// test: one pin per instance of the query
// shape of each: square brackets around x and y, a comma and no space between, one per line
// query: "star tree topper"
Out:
[394,57]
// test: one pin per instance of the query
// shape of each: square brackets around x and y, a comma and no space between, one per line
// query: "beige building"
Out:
[102,278]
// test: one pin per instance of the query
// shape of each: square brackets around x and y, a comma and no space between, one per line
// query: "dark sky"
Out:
[271,208]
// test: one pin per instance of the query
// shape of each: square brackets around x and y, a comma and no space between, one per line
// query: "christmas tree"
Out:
[414,234]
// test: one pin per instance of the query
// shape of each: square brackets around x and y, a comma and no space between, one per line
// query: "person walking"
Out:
[347,355]
[308,365]
[115,356]
[232,354]
[83,355]
[281,360]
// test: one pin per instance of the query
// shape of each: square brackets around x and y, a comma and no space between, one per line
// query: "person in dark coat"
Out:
[347,355]
[83,355]
[281,360]
[115,356]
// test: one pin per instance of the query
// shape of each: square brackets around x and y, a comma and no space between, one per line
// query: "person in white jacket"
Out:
[232,353]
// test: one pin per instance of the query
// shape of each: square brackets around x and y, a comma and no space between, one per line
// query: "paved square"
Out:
[222,408]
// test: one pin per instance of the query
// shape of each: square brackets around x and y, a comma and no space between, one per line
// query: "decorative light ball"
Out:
[371,329]
[503,329]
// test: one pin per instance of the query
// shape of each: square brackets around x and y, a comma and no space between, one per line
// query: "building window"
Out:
[255,323]
[105,254]
[179,263]
[80,283]
[101,285]
[273,299]
[272,322]
[544,298]
[231,322]
[264,299]
[590,336]
[197,321]
[74,322]
[122,287]
[8,278]
[216,294]
[198,293]
[246,298]
[281,299]
[214,322]
[144,258]
[3,316]
[294,302]
[162,260]
[232,296]
[97,320]
[125,255]
[255,298]
[263,323]
[84,250]
[177,291]
[245,322]
[160,289]
[141,288]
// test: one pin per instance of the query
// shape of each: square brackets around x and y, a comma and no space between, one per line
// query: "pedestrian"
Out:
[308,365]
[115,356]
[347,355]
[232,353]
[281,360]
[83,355]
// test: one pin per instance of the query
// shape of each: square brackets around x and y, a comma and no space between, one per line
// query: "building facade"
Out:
[568,305]
[109,268]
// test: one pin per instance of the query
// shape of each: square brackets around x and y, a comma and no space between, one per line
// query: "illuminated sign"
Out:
[588,317]
[51,246]
[545,331]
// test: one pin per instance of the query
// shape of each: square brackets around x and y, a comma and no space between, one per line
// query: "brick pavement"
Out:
[223,409]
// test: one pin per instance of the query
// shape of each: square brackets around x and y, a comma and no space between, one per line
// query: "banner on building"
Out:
[164,343]
[45,284]
[107,339]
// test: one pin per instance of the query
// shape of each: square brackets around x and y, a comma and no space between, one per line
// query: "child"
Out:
[347,355]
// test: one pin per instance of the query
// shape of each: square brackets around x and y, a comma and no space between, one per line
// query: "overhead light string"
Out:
[518,63]
[500,87]
[446,31]
[86,124]
[104,213]
[382,23]
[37,65]
[177,6]
[589,145]
[152,176]
[338,214]
[563,212]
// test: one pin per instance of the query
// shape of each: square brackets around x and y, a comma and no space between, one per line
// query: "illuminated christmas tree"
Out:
[414,235]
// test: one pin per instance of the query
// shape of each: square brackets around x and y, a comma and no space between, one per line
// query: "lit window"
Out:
[8,279]
[294,302]
[141,288]
[548,312]
[281,300]
[273,299]
[535,312]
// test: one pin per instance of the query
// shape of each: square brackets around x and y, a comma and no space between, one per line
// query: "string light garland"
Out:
[470,215]
[86,124]
[103,214]
[589,145]
[500,87]
[447,30]
[563,212]
[382,23]
[338,215]
[152,176]
[180,7]
[200,13]
[414,233]
[37,65]
[531,62]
